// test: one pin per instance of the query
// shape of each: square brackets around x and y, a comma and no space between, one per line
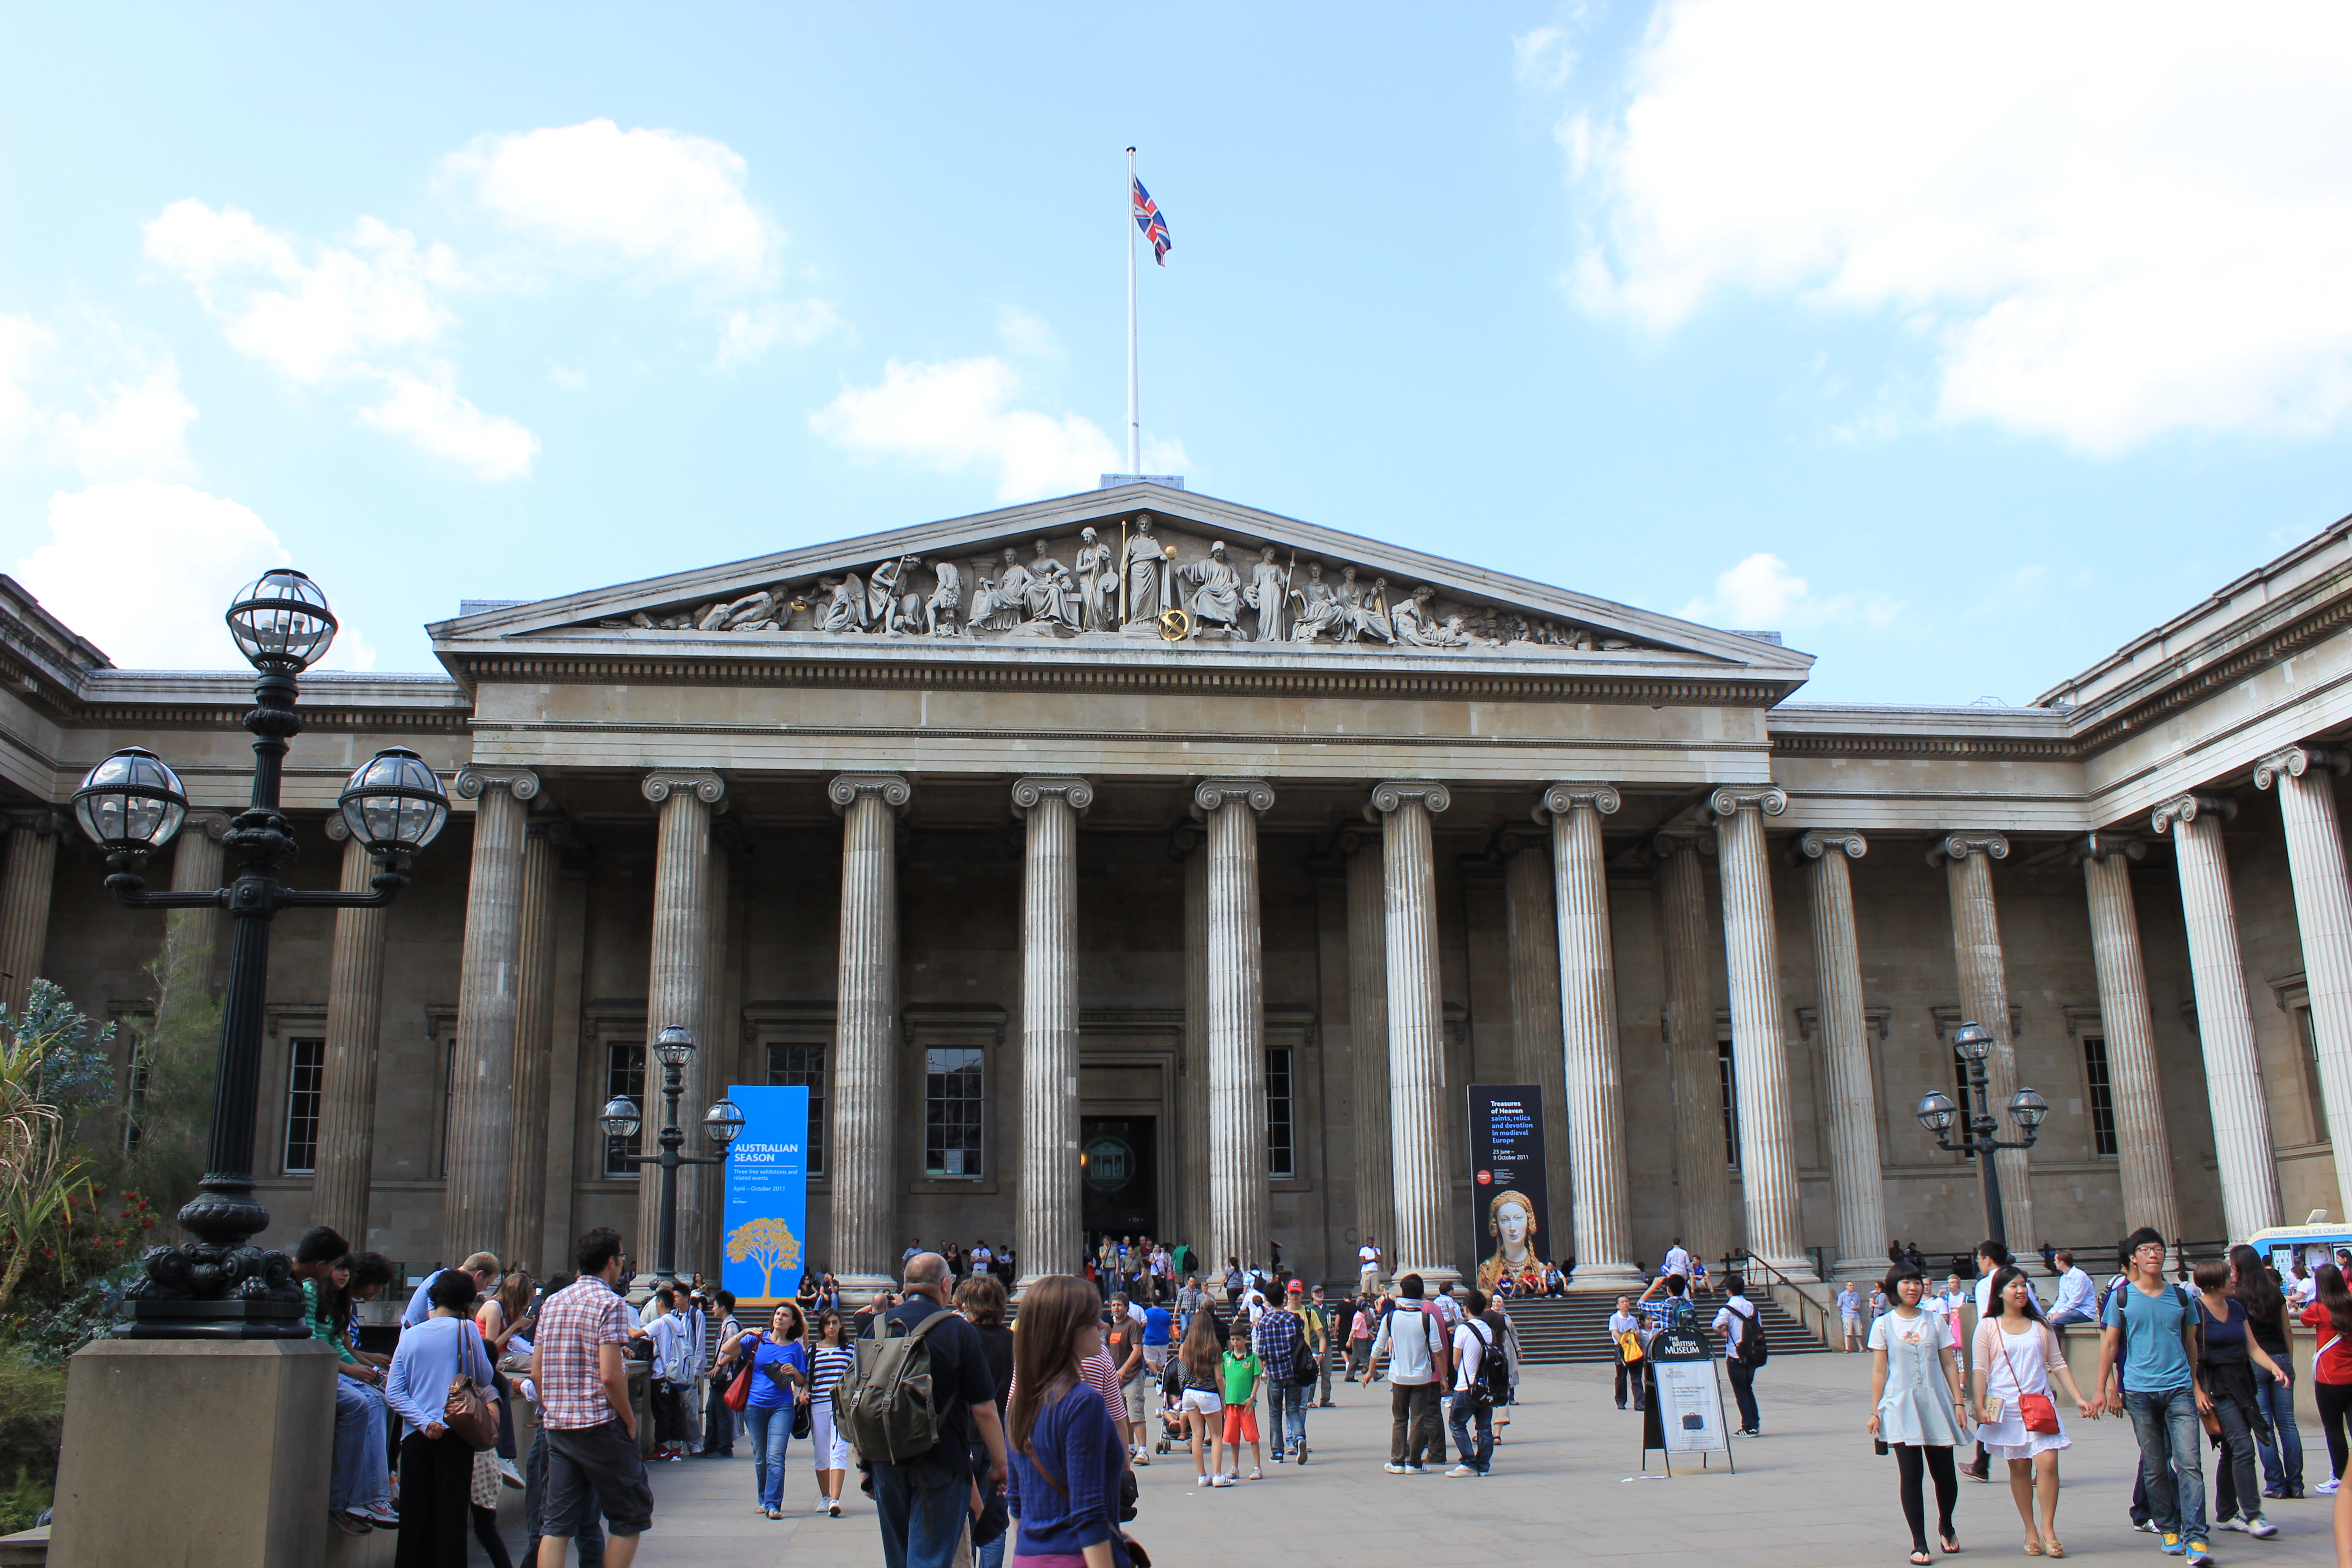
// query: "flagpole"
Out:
[1134,386]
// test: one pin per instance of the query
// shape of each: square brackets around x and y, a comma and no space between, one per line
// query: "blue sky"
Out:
[1960,349]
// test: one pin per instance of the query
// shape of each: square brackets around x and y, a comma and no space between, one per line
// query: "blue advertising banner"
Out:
[767,1194]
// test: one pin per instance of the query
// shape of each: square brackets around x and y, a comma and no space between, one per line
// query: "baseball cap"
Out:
[1298,1288]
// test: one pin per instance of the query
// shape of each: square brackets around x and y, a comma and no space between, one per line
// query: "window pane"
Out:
[306,1072]
[624,1074]
[2102,1100]
[1728,1081]
[803,1067]
[1277,1113]
[951,1112]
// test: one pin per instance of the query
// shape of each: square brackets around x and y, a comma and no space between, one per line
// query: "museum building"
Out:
[1139,862]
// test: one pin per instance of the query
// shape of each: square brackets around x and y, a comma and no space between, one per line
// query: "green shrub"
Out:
[22,1505]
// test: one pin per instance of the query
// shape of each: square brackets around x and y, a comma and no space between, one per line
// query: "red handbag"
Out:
[738,1392]
[2036,1410]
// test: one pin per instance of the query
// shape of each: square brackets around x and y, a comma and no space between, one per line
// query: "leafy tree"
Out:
[770,1243]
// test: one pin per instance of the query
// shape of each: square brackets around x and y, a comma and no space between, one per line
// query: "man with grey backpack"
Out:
[916,1403]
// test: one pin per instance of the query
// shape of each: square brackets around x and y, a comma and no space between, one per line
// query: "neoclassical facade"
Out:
[1139,861]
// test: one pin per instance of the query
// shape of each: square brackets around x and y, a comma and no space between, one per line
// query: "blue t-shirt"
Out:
[1155,1325]
[768,1392]
[2154,1360]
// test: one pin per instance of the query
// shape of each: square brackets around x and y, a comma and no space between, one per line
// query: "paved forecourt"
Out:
[1811,1494]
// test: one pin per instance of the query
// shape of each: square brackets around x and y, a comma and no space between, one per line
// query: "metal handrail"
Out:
[1811,1313]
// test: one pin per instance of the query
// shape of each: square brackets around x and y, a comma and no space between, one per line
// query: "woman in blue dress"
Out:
[779,1359]
[1917,1405]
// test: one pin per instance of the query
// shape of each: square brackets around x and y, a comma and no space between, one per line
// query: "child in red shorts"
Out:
[1244,1372]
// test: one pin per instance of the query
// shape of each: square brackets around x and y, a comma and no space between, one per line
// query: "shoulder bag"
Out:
[467,1412]
[738,1392]
[2036,1410]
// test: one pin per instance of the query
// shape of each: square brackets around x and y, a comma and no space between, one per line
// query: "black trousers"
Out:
[1415,1434]
[2335,1399]
[1912,1464]
[1628,1377]
[437,1505]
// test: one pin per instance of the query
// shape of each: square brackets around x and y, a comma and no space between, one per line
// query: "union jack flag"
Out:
[1154,226]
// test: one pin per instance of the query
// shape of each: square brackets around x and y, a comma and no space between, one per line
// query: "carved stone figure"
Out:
[1216,591]
[946,603]
[1053,593]
[1362,614]
[1002,600]
[844,609]
[890,606]
[1413,626]
[1268,594]
[1097,584]
[1320,610]
[1141,563]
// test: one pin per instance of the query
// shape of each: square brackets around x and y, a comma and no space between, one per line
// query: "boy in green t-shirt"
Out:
[1244,1372]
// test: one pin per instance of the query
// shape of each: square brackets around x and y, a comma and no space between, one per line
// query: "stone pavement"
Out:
[1810,1495]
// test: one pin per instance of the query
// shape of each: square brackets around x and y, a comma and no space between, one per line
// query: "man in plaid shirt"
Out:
[1277,1339]
[585,1414]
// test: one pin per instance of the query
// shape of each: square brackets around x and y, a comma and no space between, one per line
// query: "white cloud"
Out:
[642,198]
[753,331]
[133,426]
[1543,56]
[24,344]
[567,378]
[145,569]
[1760,593]
[951,414]
[431,414]
[1025,334]
[2110,222]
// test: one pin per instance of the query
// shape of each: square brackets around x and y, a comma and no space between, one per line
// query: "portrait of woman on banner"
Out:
[1511,1221]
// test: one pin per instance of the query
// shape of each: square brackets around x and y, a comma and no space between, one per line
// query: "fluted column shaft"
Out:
[1854,1173]
[2225,1027]
[719,1042]
[1240,1201]
[25,884]
[1531,928]
[543,866]
[1702,1171]
[1760,1045]
[866,1048]
[338,1194]
[1194,1110]
[2323,912]
[476,1197]
[2143,1145]
[1417,1090]
[1050,1214]
[1592,1066]
[676,980]
[1984,999]
[1368,1034]
[197,862]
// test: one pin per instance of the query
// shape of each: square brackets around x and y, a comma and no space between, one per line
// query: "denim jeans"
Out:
[2281,1459]
[770,1430]
[363,1473]
[924,1513]
[2170,1468]
[1743,1391]
[1285,1416]
[1460,1408]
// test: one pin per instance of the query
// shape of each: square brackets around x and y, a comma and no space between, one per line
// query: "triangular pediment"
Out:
[1113,563]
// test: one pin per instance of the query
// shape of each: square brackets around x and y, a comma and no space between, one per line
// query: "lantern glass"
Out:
[281,622]
[722,1122]
[394,803]
[1935,1112]
[620,1118]
[130,802]
[2028,1109]
[675,1047]
[1971,1042]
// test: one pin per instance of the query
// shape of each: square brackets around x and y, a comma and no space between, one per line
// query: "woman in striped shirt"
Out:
[832,1357]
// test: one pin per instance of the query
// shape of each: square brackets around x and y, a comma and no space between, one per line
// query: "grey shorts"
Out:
[598,1467]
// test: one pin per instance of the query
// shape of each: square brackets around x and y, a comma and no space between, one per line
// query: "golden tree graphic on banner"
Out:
[770,1243]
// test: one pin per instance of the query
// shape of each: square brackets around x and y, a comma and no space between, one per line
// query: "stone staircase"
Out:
[1554,1329]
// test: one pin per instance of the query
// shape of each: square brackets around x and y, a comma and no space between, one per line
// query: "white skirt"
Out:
[2006,1438]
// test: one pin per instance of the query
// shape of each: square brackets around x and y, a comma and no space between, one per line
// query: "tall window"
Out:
[624,1074]
[1727,1079]
[1278,1140]
[306,1072]
[2102,1100]
[803,1067]
[951,1111]
[2315,1104]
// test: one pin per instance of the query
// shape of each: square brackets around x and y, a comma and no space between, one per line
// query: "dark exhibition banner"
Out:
[1507,1168]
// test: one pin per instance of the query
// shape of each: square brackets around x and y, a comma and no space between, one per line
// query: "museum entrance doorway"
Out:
[1121,1158]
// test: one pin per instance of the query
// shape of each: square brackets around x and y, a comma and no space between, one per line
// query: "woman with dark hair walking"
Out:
[2015,1355]
[1066,1457]
[2330,1313]
[778,1366]
[2226,1360]
[2252,1286]
[1917,1405]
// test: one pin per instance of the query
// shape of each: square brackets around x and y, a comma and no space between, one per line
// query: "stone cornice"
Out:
[2181,683]
[2011,748]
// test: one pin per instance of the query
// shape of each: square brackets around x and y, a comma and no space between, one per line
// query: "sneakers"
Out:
[1278,1456]
[1459,1470]
[509,1475]
[2172,1547]
[1416,1469]
[2261,1529]
[2328,1488]
[1301,1455]
[2237,1524]
[350,1523]
[379,1513]
[1393,1469]
[2145,1526]
[2199,1555]
[1221,1480]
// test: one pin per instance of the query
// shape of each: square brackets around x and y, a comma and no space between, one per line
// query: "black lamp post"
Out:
[675,1049]
[1978,1136]
[218,1285]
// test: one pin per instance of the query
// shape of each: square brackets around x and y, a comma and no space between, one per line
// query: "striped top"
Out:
[826,1363]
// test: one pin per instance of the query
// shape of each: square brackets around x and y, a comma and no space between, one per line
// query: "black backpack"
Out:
[1305,1366]
[1494,1364]
[1753,1350]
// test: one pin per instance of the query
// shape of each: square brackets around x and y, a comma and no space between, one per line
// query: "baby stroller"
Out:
[1173,1431]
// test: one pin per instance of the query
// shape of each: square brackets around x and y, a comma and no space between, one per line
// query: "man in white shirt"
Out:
[1473,1342]
[2077,1293]
[1678,1259]
[1409,1338]
[673,1368]
[1734,1321]
[1368,1268]
[1622,1323]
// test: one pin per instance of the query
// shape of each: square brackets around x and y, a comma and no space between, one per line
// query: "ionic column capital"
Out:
[2188,808]
[1814,842]
[1028,792]
[1560,799]
[214,825]
[703,785]
[1511,839]
[1183,840]
[1390,794]
[471,783]
[46,821]
[2105,846]
[1210,795]
[892,789]
[1960,846]
[2297,760]
[1731,799]
[1667,845]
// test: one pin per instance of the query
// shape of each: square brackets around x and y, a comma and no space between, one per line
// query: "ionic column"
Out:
[542,868]
[1592,1073]
[475,1198]
[2323,911]
[1967,860]
[338,1194]
[2143,1143]
[676,983]
[1854,1174]
[24,883]
[1051,1210]
[1702,1171]
[196,865]
[865,1033]
[1531,930]
[1239,1200]
[1759,1044]
[728,844]
[2225,1024]
[1368,1036]
[1189,845]
[1417,1089]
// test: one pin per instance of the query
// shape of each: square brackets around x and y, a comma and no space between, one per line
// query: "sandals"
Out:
[1950,1543]
[1921,1560]
[775,1513]
[2033,1546]
[2053,1548]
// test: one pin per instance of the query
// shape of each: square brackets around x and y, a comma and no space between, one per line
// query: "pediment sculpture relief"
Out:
[1150,583]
